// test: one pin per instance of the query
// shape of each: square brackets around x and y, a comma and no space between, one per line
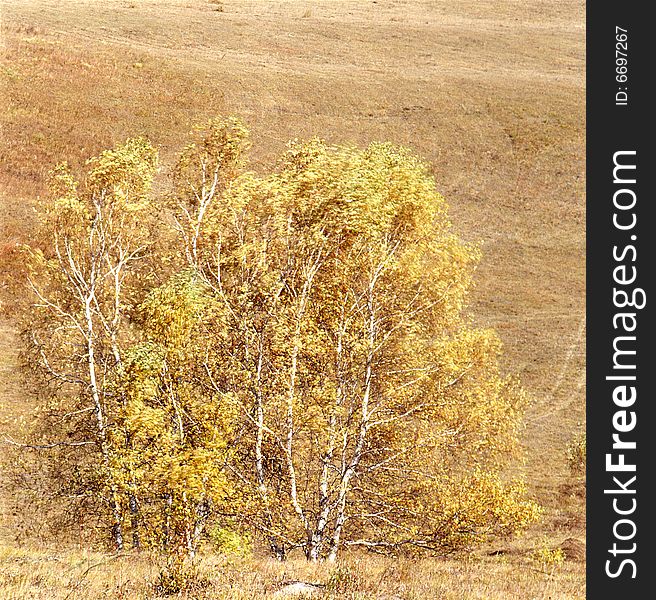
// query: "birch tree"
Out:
[295,359]
[84,274]
[376,414]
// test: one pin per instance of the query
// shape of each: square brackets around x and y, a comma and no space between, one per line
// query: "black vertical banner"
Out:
[621,259]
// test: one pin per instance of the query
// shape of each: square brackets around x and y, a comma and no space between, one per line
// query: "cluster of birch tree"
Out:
[283,357]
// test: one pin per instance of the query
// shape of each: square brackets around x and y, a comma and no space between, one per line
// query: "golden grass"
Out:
[86,575]
[490,93]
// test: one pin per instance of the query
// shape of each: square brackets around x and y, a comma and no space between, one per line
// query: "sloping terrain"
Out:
[490,92]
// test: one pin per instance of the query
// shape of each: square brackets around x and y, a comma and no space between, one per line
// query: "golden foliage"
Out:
[364,390]
[306,359]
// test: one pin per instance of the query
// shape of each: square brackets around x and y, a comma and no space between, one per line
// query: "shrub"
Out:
[576,455]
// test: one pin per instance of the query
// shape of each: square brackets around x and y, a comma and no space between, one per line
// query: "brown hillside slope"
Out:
[490,92]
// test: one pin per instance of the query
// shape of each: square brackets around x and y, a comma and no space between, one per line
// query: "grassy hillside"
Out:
[490,93]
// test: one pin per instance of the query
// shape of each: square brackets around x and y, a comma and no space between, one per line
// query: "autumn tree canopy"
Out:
[287,357]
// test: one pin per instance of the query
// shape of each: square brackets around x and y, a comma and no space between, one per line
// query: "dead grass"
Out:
[491,93]
[82,575]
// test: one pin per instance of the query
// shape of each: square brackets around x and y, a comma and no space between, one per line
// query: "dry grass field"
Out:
[490,92]
[53,576]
